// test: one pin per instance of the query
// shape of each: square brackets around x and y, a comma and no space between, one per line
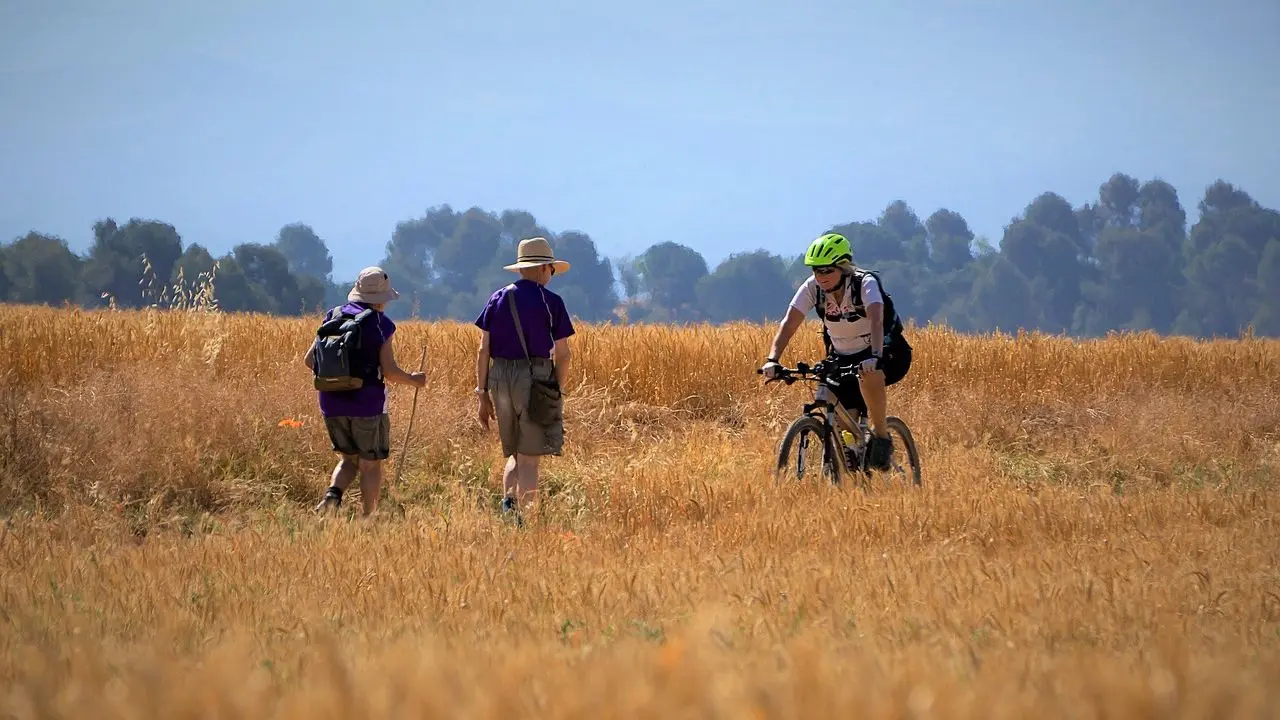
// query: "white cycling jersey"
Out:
[847,323]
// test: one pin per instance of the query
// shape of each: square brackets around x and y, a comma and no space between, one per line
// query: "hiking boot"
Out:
[509,511]
[331,501]
[879,453]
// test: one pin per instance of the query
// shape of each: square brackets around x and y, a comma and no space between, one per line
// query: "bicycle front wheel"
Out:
[808,450]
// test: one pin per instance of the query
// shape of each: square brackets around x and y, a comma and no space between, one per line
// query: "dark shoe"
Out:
[879,453]
[332,500]
[509,510]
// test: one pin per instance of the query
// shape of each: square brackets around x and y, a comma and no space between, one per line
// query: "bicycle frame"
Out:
[825,403]
[824,398]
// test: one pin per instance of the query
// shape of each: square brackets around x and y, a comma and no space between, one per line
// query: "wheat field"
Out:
[1096,534]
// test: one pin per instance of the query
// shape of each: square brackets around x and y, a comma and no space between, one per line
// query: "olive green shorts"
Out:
[367,437]
[509,386]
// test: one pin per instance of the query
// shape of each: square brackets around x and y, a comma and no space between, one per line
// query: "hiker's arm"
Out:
[484,404]
[392,372]
[562,355]
[307,359]
[875,313]
[482,363]
[786,329]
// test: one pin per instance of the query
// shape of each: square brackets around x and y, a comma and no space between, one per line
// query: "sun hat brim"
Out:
[560,265]
[376,298]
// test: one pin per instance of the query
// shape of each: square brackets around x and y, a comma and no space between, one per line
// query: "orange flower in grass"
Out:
[290,423]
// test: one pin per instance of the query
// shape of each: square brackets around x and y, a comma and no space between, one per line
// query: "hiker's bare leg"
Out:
[526,478]
[873,393]
[370,484]
[509,478]
[344,472]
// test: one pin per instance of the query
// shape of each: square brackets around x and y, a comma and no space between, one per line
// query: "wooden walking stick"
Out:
[404,450]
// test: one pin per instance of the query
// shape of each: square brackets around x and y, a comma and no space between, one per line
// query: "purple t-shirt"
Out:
[371,399]
[542,316]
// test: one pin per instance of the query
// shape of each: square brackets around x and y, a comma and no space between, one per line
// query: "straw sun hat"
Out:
[534,252]
[373,287]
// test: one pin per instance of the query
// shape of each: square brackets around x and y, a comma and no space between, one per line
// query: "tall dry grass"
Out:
[1096,535]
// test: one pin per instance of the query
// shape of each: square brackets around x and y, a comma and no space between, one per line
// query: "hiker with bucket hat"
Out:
[352,359]
[521,367]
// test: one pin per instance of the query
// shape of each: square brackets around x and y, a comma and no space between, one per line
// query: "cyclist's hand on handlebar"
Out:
[771,370]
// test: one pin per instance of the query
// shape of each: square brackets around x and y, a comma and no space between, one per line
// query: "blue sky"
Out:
[726,126]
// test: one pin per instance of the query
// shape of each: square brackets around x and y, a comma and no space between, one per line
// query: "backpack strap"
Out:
[515,315]
[892,323]
[820,309]
[358,319]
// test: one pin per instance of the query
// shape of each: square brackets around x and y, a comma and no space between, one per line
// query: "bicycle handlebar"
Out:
[817,371]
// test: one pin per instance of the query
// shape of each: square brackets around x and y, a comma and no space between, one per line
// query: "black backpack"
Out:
[335,354]
[892,323]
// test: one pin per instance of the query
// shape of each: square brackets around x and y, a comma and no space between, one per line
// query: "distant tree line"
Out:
[1126,261]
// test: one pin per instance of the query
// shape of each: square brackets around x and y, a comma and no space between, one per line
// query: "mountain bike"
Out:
[842,435]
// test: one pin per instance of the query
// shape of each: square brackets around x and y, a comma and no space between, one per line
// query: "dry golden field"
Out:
[1096,535]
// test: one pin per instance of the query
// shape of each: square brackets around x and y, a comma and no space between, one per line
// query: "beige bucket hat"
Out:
[373,287]
[536,251]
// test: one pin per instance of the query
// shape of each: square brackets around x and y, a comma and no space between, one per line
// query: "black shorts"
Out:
[895,365]
[367,437]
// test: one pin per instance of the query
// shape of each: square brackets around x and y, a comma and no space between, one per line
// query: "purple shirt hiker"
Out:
[542,315]
[371,399]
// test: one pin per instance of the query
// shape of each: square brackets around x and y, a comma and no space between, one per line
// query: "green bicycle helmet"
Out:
[828,250]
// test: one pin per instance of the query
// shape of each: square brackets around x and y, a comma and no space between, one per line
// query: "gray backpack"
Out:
[336,357]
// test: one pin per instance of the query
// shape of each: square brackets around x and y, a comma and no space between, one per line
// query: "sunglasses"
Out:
[825,270]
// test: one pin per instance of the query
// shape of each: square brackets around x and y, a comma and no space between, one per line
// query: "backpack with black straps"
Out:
[337,362]
[892,323]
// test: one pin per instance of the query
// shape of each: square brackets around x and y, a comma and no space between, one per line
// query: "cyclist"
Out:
[860,328]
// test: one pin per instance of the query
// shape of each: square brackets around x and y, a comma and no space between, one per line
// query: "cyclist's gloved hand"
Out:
[770,370]
[869,365]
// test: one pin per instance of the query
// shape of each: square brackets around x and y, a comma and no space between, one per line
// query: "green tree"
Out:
[669,272]
[749,286]
[1001,298]
[478,245]
[590,274]
[1221,288]
[1047,248]
[1118,201]
[1223,254]
[1138,279]
[628,276]
[115,265]
[4,279]
[305,252]
[256,278]
[410,260]
[1266,321]
[41,269]
[949,241]
[904,225]
[872,243]
[521,224]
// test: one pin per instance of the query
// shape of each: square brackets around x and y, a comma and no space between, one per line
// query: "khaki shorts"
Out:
[509,385]
[367,437]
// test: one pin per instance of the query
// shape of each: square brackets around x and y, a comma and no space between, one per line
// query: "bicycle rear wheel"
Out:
[808,433]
